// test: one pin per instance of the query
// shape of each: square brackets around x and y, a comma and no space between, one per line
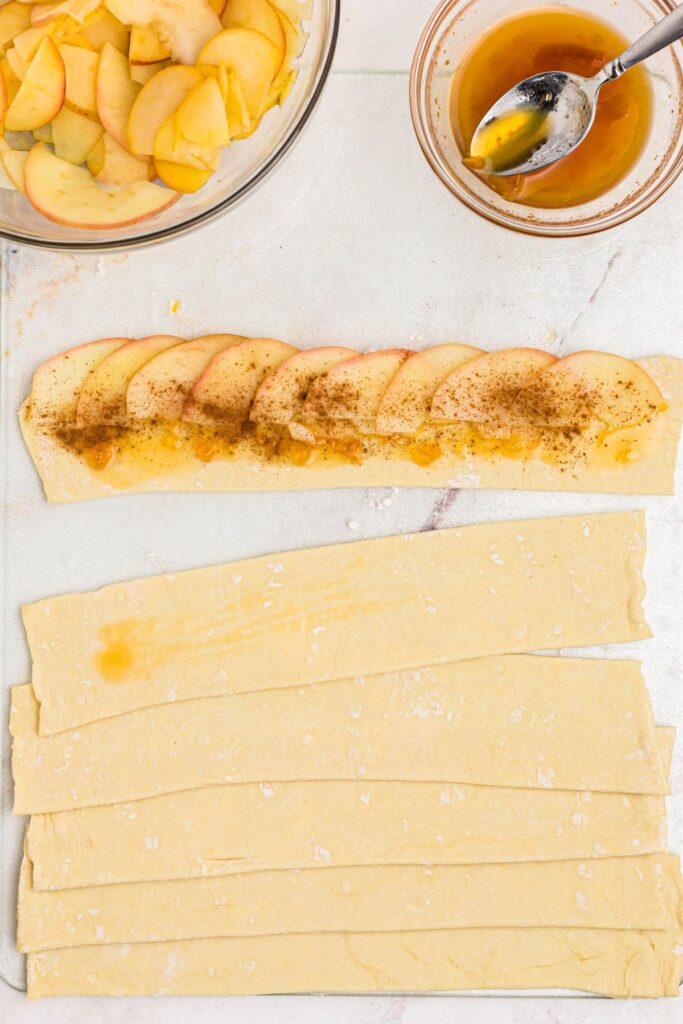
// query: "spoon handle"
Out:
[665,32]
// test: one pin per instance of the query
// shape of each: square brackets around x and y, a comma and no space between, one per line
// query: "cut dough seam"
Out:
[642,893]
[232,829]
[405,726]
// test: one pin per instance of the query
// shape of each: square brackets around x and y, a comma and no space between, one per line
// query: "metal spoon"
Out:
[545,117]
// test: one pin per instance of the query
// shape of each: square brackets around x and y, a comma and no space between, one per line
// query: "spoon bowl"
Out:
[536,123]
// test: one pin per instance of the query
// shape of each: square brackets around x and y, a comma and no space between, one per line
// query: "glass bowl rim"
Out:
[187,226]
[572,229]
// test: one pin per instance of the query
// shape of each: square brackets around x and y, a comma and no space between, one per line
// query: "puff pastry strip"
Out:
[338,611]
[622,964]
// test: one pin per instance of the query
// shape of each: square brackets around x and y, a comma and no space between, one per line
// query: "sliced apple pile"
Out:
[231,386]
[137,90]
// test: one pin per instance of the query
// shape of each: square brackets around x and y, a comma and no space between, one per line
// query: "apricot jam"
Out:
[555,39]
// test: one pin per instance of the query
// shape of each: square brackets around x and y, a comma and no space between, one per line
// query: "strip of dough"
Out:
[338,611]
[231,829]
[67,478]
[612,892]
[608,963]
[516,720]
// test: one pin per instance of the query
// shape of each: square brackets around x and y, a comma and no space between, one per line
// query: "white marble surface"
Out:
[352,240]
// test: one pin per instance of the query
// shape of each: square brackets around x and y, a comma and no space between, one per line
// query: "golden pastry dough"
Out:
[338,611]
[516,720]
[66,477]
[223,830]
[617,892]
[608,963]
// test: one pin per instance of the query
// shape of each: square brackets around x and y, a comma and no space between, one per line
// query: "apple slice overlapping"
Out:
[58,382]
[588,386]
[350,392]
[226,390]
[233,384]
[486,390]
[406,404]
[160,389]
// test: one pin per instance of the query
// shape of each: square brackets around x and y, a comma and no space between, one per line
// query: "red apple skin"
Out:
[33,193]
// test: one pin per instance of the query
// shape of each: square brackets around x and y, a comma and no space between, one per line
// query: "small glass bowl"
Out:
[243,167]
[455,25]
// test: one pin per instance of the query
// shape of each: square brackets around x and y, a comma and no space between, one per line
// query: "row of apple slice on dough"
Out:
[226,379]
[76,91]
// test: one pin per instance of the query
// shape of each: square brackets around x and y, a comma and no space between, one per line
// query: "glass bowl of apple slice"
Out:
[125,122]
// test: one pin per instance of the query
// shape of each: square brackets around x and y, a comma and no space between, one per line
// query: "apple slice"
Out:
[146,47]
[239,121]
[486,389]
[69,195]
[294,42]
[254,59]
[258,15]
[352,390]
[589,386]
[4,103]
[26,43]
[157,100]
[406,404]
[81,77]
[182,178]
[111,164]
[76,9]
[225,391]
[41,93]
[282,395]
[142,73]
[102,398]
[100,28]
[202,117]
[159,390]
[115,93]
[14,162]
[57,383]
[17,63]
[41,13]
[185,24]
[10,81]
[15,18]
[171,146]
[74,135]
